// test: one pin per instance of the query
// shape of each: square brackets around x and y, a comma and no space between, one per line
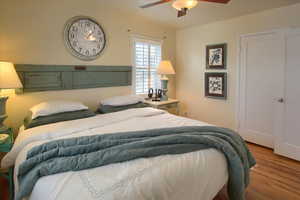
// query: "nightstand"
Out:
[171,105]
[8,173]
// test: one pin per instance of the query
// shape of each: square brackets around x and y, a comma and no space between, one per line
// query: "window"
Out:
[147,56]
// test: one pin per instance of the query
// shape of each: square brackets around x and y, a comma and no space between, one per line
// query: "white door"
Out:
[261,85]
[287,142]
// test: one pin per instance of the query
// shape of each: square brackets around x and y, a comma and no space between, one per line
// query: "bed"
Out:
[192,176]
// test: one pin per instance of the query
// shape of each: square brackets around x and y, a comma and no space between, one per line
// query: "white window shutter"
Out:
[147,56]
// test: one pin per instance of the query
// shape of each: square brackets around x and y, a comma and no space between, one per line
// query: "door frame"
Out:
[239,75]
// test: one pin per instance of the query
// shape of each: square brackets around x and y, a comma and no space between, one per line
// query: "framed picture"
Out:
[216,56]
[216,85]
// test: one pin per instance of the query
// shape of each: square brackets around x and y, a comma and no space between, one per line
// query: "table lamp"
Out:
[9,79]
[165,68]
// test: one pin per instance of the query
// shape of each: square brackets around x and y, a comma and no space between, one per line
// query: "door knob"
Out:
[281,100]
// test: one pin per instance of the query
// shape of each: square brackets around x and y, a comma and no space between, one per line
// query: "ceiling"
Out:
[202,14]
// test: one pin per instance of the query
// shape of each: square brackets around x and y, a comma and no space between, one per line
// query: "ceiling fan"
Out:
[182,5]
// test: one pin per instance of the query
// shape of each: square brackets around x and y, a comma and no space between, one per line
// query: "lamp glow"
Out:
[181,4]
[8,76]
[9,79]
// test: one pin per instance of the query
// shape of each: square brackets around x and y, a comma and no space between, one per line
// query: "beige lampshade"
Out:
[9,78]
[165,68]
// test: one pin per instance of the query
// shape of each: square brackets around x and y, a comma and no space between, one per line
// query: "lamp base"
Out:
[4,129]
[3,116]
[164,98]
[164,87]
[2,105]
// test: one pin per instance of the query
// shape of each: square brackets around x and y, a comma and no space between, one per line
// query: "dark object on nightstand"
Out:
[8,173]
[150,93]
[158,95]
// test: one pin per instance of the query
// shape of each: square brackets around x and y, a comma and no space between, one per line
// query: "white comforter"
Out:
[192,176]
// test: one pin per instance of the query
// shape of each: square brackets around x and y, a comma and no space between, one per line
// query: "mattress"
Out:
[191,176]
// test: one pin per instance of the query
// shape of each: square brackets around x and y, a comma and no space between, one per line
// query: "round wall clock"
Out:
[84,37]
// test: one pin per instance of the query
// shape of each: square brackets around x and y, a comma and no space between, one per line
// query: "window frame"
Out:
[142,39]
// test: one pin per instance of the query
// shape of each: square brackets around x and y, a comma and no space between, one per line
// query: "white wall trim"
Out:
[132,41]
[237,94]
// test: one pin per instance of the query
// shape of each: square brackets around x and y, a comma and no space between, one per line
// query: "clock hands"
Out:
[90,36]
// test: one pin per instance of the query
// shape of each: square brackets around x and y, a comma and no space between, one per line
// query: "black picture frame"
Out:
[213,54]
[220,82]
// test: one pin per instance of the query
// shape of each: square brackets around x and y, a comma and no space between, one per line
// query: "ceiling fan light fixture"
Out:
[181,4]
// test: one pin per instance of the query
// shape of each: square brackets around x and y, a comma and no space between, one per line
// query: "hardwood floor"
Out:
[273,178]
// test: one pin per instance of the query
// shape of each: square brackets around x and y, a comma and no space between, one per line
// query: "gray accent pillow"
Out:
[59,117]
[109,109]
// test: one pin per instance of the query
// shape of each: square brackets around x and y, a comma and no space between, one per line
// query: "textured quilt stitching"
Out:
[99,194]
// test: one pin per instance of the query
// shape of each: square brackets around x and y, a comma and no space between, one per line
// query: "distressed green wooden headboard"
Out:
[67,77]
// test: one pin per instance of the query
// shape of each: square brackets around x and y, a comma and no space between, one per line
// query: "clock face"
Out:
[85,38]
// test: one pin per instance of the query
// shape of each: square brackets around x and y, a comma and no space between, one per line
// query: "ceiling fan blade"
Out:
[154,3]
[216,1]
[182,12]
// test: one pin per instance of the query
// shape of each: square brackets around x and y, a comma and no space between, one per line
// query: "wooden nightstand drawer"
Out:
[168,106]
[172,110]
[171,105]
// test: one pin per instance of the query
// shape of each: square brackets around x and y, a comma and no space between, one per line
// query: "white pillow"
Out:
[54,107]
[122,100]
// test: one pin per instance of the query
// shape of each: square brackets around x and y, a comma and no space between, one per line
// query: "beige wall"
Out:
[190,60]
[31,32]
